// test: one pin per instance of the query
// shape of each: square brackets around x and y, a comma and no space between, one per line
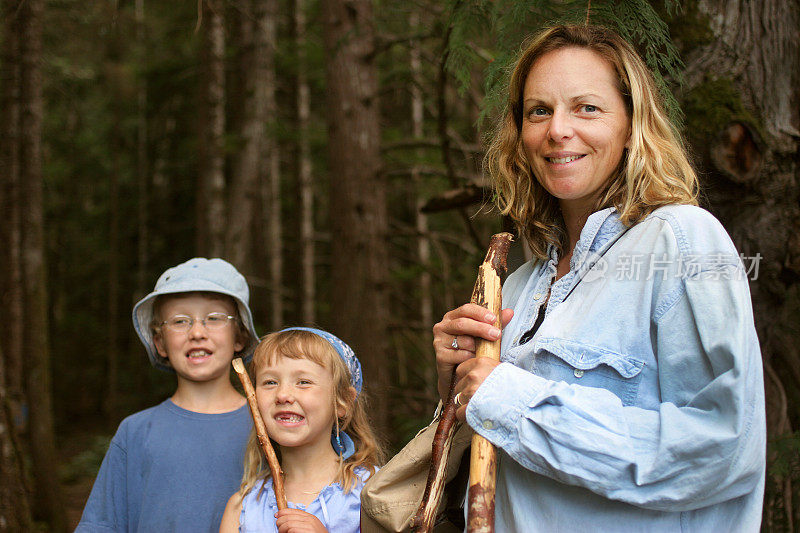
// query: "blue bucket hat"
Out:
[341,441]
[196,275]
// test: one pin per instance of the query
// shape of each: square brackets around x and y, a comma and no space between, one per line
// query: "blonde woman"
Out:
[629,396]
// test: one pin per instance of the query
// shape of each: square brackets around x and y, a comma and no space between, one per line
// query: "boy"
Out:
[173,466]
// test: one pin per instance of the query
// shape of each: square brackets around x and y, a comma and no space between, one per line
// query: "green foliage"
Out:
[466,20]
[511,22]
[86,463]
[785,461]
[688,26]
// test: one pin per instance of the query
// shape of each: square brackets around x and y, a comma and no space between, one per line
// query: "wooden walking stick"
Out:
[261,433]
[483,457]
[487,292]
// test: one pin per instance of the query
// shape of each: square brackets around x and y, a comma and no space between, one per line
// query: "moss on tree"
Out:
[712,105]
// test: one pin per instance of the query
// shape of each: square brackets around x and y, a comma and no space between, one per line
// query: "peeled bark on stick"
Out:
[487,292]
[261,433]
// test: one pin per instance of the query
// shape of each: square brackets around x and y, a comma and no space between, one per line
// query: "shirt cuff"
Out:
[504,396]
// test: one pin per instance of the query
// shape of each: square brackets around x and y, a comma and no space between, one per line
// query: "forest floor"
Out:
[80,454]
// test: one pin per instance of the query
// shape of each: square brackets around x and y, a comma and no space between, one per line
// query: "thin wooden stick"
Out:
[483,458]
[492,268]
[261,432]
[425,517]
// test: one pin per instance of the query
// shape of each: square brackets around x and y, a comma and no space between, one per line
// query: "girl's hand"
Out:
[463,324]
[297,521]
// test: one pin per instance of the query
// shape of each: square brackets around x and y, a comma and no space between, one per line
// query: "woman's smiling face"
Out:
[575,125]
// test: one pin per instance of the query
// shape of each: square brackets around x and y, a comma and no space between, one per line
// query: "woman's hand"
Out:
[469,376]
[297,521]
[463,324]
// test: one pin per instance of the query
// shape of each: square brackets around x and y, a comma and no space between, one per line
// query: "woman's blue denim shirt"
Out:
[639,403]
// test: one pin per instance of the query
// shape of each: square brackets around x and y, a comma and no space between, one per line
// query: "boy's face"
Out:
[201,354]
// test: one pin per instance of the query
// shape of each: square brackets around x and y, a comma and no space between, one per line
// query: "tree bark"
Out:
[741,100]
[142,176]
[48,499]
[15,513]
[250,126]
[359,269]
[420,218]
[113,55]
[271,161]
[304,169]
[210,229]
[11,296]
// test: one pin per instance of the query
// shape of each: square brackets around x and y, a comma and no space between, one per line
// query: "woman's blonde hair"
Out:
[654,171]
[297,344]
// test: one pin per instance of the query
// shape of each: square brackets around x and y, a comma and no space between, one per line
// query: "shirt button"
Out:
[578,373]
[537,296]
[488,424]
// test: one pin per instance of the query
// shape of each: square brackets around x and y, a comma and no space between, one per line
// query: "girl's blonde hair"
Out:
[296,344]
[654,170]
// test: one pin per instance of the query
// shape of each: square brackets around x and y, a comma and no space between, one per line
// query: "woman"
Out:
[630,393]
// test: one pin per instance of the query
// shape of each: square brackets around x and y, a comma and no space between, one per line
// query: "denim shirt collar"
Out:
[600,228]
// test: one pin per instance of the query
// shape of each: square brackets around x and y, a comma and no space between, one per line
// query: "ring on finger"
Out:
[457,400]
[454,344]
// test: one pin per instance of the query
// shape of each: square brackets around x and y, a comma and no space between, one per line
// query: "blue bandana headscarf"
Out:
[342,442]
[344,351]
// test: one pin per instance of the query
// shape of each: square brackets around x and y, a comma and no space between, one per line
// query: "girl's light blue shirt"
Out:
[338,512]
[639,403]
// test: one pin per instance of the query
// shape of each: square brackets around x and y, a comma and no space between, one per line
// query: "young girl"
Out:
[308,385]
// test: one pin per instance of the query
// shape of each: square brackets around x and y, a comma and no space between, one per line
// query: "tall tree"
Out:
[741,101]
[250,128]
[270,178]
[142,176]
[14,505]
[15,513]
[211,213]
[304,168]
[36,338]
[420,218]
[359,269]
[11,298]
[114,82]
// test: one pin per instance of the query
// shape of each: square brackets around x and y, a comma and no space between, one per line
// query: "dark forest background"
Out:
[331,150]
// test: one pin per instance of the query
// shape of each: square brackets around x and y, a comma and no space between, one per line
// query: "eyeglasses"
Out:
[184,323]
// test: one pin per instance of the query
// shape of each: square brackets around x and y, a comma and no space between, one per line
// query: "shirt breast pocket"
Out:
[590,366]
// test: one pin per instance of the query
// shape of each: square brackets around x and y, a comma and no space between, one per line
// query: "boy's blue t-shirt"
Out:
[168,469]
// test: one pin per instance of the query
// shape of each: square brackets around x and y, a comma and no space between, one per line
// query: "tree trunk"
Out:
[11,297]
[304,169]
[741,100]
[142,179]
[420,218]
[250,125]
[271,161]
[49,500]
[359,269]
[211,201]
[15,513]
[117,147]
